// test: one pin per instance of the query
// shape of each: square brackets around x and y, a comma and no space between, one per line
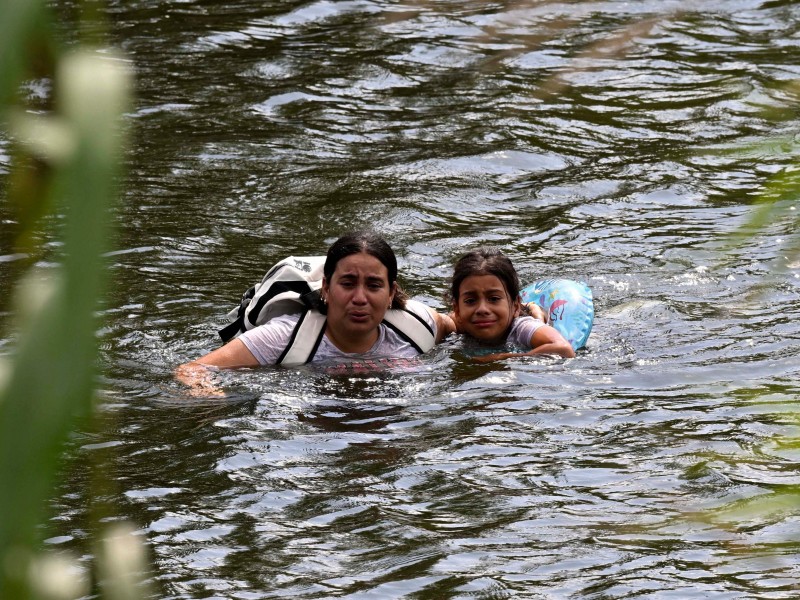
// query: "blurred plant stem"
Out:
[66,163]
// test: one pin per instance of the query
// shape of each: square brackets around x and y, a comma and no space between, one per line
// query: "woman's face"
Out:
[358,296]
[484,308]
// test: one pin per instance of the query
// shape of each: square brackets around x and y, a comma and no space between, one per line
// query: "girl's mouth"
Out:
[483,324]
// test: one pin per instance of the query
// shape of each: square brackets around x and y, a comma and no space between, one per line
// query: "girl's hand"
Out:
[537,312]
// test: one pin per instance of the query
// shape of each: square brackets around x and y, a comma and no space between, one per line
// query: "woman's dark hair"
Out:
[484,261]
[374,245]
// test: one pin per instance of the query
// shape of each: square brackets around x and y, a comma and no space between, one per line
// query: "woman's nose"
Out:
[359,295]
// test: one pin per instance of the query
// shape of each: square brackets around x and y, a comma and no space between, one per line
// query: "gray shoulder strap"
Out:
[305,339]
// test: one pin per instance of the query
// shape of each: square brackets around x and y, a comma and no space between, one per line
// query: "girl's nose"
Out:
[482,307]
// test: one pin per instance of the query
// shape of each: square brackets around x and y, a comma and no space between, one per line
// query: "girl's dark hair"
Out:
[484,261]
[374,245]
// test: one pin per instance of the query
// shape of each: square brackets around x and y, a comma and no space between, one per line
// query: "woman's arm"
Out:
[198,374]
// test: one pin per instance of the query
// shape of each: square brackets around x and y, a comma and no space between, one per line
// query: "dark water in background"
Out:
[591,140]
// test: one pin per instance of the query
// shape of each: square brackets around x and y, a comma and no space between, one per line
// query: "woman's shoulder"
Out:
[277,323]
[275,331]
[268,341]
[422,311]
[417,307]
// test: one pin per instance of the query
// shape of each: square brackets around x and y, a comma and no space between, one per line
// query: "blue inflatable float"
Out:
[569,305]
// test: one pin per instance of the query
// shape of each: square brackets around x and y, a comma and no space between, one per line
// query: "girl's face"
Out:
[358,296]
[484,308]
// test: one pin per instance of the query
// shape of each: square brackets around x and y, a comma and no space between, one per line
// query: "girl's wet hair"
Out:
[484,261]
[374,245]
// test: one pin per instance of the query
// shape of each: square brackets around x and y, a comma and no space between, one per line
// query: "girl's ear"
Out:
[517,308]
[392,293]
[324,286]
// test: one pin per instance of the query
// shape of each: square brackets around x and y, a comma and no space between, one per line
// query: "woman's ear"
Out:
[392,293]
[325,288]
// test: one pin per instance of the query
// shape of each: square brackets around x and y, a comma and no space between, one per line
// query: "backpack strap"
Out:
[305,339]
[310,328]
[230,330]
[411,327]
[236,325]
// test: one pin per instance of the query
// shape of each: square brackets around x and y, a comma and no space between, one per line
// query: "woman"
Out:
[484,293]
[359,285]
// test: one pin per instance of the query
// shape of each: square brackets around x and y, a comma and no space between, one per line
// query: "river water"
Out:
[614,142]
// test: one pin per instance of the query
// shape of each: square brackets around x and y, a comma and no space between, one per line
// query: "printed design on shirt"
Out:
[370,365]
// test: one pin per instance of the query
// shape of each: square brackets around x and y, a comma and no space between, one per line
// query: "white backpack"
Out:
[287,288]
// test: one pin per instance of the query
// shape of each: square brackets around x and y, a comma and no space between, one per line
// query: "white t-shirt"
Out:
[268,341]
[522,330]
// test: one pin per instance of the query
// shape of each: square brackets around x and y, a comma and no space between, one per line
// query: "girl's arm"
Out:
[545,340]
[445,325]
[198,374]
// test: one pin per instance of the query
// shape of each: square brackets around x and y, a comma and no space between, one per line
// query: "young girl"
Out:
[485,297]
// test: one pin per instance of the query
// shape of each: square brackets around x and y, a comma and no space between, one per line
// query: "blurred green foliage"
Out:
[66,162]
[775,207]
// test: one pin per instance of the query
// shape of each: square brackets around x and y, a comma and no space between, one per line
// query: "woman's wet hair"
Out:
[484,261]
[372,244]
